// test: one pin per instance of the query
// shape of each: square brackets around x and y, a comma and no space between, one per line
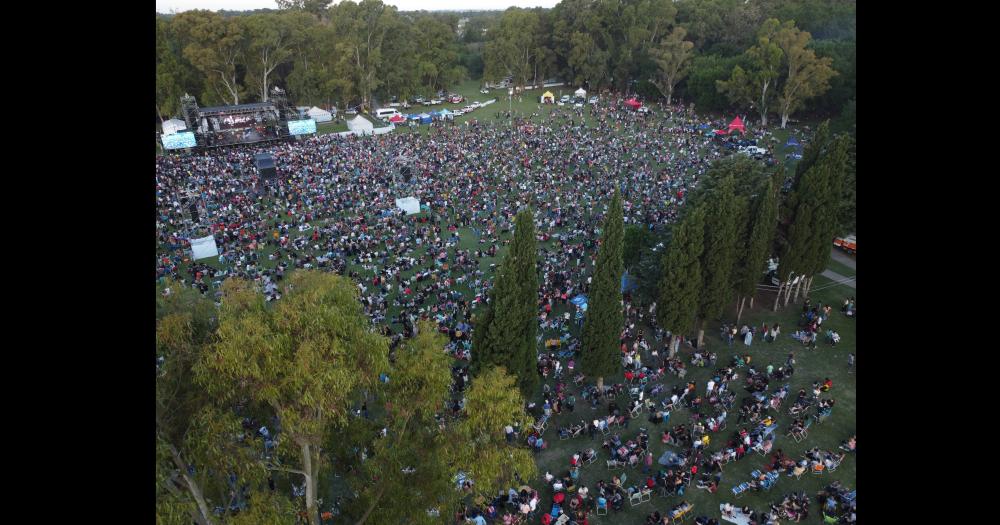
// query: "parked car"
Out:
[578,105]
[484,91]
[435,101]
[643,109]
[754,150]
[848,244]
[593,100]
[456,99]
[564,99]
[418,100]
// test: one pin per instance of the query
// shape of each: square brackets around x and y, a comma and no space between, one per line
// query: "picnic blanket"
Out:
[670,459]
[738,516]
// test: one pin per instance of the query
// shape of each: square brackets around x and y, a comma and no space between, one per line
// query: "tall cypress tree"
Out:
[525,355]
[761,225]
[603,324]
[797,216]
[681,282]
[505,334]
[831,173]
[719,255]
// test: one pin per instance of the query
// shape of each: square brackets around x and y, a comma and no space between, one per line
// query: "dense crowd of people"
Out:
[333,208]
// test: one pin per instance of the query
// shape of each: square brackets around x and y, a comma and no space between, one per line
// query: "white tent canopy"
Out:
[173,126]
[204,248]
[360,124]
[409,204]
[580,92]
[319,115]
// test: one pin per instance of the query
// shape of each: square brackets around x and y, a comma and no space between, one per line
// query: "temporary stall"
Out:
[580,93]
[396,119]
[360,124]
[204,248]
[548,98]
[633,103]
[737,125]
[445,114]
[425,118]
[319,115]
[408,204]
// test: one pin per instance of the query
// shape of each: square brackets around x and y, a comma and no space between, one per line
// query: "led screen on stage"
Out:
[181,139]
[301,127]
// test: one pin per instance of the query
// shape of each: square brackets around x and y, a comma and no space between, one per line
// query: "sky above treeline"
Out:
[177,6]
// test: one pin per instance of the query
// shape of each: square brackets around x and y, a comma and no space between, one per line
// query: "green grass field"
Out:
[826,361]
[840,268]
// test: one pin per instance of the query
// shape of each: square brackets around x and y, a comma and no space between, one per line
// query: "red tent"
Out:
[633,103]
[737,123]
[396,119]
[722,132]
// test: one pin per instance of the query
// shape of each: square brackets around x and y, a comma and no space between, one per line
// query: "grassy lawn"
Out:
[819,364]
[841,268]
[333,126]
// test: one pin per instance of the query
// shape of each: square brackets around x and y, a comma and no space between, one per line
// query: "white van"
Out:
[386,113]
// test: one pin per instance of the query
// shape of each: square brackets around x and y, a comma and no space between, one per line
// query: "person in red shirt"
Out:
[629,375]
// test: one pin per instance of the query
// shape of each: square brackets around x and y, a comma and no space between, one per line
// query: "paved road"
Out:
[841,256]
[830,274]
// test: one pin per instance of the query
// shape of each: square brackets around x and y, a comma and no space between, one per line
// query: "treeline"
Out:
[739,217]
[719,54]
[344,55]
[253,399]
[759,56]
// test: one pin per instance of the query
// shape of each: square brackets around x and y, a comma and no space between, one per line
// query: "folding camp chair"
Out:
[590,460]
[635,498]
[833,468]
[636,411]
[645,494]
[818,469]
[805,429]
[602,510]
[614,464]
[740,490]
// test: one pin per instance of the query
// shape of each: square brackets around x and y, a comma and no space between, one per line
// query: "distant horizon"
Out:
[166,7]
